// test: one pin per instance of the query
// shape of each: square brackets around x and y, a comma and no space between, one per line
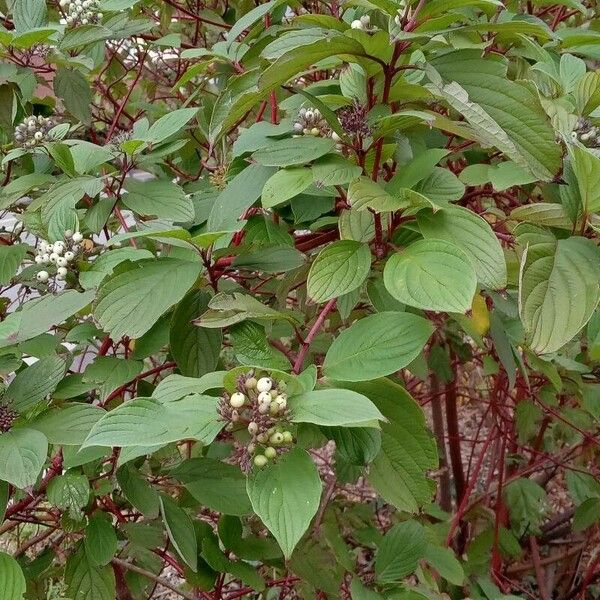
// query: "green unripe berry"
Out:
[276,439]
[274,408]
[250,383]
[270,452]
[260,460]
[288,438]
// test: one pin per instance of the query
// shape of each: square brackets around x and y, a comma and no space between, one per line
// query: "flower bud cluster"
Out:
[81,12]
[7,418]
[258,410]
[60,254]
[33,131]
[587,133]
[311,122]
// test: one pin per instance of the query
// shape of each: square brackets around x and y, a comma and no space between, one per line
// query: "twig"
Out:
[149,575]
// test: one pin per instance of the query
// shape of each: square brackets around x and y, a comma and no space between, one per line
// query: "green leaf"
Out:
[100,540]
[338,269]
[68,425]
[365,193]
[586,514]
[215,484]
[159,198]
[293,151]
[146,422]
[559,287]
[180,529]
[130,302]
[475,238]
[86,581]
[228,309]
[108,373]
[39,315]
[445,563]
[74,89]
[12,580]
[29,14]
[334,407]
[170,124]
[586,167]
[34,383]
[22,456]
[272,259]
[285,184]
[503,113]
[252,347]
[286,496]
[334,170]
[195,349]
[298,50]
[106,262]
[69,492]
[11,258]
[138,491]
[173,387]
[408,452]
[376,345]
[241,193]
[400,551]
[433,275]
[526,502]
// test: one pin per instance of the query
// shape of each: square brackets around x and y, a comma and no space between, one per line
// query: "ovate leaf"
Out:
[180,529]
[293,151]
[146,422]
[12,580]
[285,496]
[399,472]
[285,184]
[400,551]
[86,581]
[376,345]
[335,407]
[130,302]
[433,275]
[559,288]
[22,456]
[475,238]
[338,269]
[159,198]
[100,540]
[195,349]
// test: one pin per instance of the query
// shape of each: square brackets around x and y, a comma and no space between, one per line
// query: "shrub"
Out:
[251,252]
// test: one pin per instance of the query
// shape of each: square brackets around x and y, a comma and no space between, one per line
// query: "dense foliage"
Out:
[251,251]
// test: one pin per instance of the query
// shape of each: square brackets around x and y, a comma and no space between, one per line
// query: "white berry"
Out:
[356,24]
[53,257]
[365,20]
[61,261]
[42,276]
[237,400]
[38,136]
[69,255]
[264,384]
[62,271]
[58,247]
[68,234]
[264,398]
[38,259]
[77,237]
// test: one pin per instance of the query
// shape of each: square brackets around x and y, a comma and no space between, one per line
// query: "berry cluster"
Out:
[364,23]
[81,12]
[258,410]
[311,122]
[59,253]
[587,133]
[33,131]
